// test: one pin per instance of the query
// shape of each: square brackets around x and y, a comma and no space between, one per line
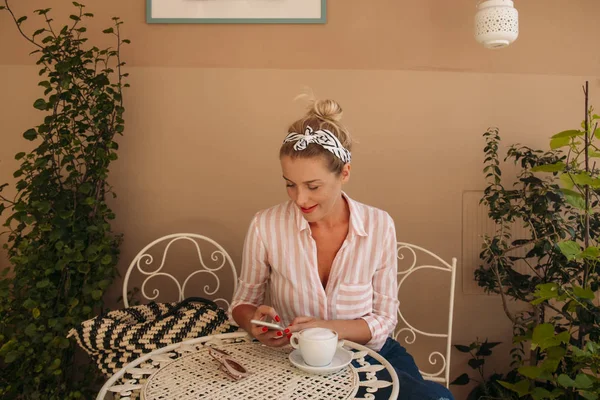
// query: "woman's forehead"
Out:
[304,169]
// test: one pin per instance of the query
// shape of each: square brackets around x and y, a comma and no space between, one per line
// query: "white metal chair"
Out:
[442,375]
[220,257]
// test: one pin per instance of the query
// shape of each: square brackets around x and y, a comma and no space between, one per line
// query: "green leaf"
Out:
[74,302]
[530,372]
[593,153]
[11,357]
[85,188]
[103,284]
[569,249]
[30,134]
[462,348]
[542,334]
[582,179]
[559,142]
[40,104]
[582,293]
[563,337]
[574,198]
[549,365]
[595,183]
[545,291]
[521,387]
[20,155]
[66,82]
[475,363]
[591,253]
[589,395]
[107,259]
[20,20]
[486,348]
[461,380]
[109,30]
[29,304]
[556,352]
[43,207]
[42,284]
[568,134]
[96,294]
[559,166]
[539,393]
[582,381]
[35,312]
[65,214]
[83,268]
[31,330]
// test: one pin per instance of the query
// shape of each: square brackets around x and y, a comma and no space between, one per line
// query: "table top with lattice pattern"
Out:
[188,371]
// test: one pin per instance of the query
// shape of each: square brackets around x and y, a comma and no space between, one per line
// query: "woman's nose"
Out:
[301,197]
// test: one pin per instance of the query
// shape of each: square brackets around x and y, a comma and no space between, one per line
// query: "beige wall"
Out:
[209,105]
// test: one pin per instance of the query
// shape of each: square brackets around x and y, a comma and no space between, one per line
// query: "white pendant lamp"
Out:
[496,23]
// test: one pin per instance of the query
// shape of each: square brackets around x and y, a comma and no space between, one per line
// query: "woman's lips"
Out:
[308,210]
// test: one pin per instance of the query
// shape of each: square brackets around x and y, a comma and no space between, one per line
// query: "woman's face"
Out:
[312,186]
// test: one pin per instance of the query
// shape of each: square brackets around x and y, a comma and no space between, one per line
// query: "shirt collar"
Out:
[356,227]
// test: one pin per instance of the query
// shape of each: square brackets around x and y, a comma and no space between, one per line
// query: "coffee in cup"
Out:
[316,345]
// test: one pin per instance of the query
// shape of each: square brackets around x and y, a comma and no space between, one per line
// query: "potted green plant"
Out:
[556,198]
[486,386]
[60,244]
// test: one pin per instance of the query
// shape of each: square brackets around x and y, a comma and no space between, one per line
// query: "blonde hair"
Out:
[321,114]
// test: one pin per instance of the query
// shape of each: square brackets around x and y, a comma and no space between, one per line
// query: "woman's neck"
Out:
[339,216]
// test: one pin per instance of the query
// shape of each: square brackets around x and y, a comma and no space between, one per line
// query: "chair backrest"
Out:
[220,257]
[408,331]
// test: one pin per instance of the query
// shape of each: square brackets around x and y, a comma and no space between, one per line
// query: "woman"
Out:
[328,260]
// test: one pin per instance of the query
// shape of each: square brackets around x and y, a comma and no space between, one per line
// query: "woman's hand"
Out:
[300,323]
[266,336]
[356,330]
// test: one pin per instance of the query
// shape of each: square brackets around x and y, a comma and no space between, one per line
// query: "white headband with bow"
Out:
[323,138]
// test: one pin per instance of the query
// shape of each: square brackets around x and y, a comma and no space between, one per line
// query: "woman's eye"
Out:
[313,188]
[289,185]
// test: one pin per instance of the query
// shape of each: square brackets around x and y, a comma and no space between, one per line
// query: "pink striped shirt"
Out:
[280,256]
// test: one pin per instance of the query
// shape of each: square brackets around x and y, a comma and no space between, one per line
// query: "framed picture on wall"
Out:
[236,11]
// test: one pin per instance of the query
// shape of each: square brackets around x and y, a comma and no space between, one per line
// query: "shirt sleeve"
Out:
[382,320]
[255,271]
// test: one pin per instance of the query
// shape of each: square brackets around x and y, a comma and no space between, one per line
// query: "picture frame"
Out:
[236,11]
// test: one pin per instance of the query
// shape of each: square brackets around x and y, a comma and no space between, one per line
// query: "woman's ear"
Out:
[345,173]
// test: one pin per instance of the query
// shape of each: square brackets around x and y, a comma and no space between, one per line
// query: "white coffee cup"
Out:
[316,345]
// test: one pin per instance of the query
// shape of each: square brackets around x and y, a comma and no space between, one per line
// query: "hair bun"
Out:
[327,110]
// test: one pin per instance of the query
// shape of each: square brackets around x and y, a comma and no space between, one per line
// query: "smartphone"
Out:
[269,325]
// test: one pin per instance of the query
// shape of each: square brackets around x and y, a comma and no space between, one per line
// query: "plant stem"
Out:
[588,139]
[19,26]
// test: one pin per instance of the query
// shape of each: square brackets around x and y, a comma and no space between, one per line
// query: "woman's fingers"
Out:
[272,337]
[265,311]
[302,320]
[300,323]
[269,337]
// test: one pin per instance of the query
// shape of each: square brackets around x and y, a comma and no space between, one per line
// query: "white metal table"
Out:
[186,371]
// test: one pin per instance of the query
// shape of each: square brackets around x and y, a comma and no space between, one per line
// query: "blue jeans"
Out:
[412,384]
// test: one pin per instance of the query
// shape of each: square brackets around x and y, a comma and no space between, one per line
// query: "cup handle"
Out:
[340,344]
[294,341]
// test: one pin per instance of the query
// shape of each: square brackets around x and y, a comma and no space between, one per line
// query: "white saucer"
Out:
[340,360]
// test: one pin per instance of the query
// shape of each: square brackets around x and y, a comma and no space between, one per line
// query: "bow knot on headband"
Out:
[323,138]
